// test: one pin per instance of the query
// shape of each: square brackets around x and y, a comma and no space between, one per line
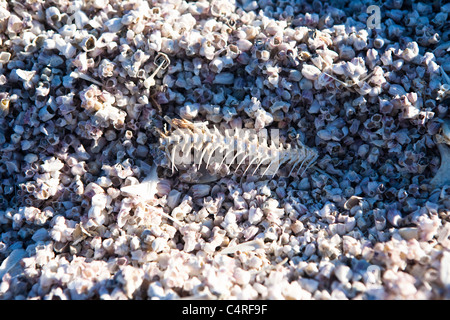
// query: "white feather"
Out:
[146,189]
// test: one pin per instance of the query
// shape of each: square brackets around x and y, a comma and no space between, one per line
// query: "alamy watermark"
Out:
[374,20]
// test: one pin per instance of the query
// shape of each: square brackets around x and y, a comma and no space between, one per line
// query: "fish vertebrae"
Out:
[194,146]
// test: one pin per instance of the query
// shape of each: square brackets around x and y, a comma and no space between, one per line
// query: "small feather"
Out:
[146,189]
[246,246]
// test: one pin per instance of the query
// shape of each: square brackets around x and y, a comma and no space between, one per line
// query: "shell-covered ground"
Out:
[90,207]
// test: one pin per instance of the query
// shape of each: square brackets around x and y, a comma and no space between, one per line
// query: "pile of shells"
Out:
[88,210]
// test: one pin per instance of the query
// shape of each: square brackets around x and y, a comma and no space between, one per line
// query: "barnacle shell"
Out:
[4,107]
[4,57]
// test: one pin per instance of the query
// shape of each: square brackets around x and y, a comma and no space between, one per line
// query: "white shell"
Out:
[244,45]
[310,72]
